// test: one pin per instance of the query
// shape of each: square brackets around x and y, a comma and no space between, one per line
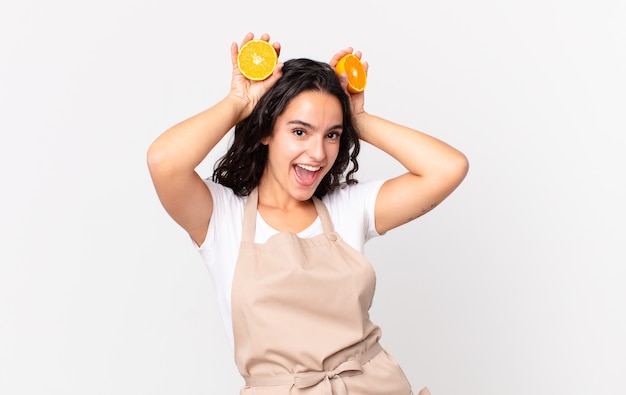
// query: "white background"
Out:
[514,285]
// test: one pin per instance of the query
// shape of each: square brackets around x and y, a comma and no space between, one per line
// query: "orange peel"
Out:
[352,66]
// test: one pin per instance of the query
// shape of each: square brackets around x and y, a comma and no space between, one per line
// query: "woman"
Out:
[282,223]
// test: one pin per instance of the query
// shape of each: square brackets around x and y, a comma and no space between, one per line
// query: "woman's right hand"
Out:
[247,91]
[174,156]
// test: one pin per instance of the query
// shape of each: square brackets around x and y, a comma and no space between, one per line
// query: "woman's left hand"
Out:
[357,99]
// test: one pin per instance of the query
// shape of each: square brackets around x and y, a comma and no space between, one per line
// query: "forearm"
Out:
[421,154]
[185,145]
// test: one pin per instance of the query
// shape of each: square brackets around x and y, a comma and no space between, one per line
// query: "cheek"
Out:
[293,147]
[333,152]
[285,151]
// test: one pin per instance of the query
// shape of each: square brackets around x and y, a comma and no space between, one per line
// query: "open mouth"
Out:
[306,174]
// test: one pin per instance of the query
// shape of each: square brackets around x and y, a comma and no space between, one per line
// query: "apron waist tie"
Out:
[310,379]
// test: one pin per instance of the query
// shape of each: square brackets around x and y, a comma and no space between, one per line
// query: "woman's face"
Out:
[303,145]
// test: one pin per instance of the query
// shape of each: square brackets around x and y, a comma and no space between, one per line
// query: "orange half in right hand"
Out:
[354,69]
[257,59]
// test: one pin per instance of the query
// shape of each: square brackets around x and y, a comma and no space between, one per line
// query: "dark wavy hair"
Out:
[243,164]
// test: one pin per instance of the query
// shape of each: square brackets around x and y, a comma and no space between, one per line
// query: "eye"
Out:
[333,135]
[299,132]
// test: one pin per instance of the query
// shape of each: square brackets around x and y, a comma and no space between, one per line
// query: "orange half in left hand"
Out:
[354,69]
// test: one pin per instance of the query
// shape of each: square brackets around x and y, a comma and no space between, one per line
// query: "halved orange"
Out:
[257,60]
[352,66]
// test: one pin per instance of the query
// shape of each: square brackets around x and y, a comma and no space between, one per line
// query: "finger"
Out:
[276,74]
[335,59]
[339,55]
[277,47]
[343,80]
[249,36]
[234,51]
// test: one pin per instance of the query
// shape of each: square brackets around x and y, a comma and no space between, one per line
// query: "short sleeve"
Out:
[352,209]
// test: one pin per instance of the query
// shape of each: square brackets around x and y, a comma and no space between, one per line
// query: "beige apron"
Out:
[300,316]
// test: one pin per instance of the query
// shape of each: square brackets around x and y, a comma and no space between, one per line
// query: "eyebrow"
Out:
[308,125]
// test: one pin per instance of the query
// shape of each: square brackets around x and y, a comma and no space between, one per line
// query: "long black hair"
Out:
[243,164]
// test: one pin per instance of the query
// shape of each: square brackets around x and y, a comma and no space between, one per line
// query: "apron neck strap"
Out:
[249,216]
[322,212]
[250,210]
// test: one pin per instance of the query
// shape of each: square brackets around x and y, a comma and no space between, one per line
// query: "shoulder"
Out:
[357,196]
[224,199]
[352,209]
[227,215]
[220,192]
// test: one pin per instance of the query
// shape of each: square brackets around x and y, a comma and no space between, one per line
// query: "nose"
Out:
[315,148]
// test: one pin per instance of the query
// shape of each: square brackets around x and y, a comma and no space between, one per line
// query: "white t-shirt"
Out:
[351,210]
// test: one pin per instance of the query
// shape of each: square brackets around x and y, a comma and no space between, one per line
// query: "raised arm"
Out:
[175,154]
[434,168]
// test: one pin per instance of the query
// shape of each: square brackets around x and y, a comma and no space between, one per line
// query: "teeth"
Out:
[310,168]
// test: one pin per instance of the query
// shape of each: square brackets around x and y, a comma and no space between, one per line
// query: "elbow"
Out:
[457,168]
[156,158]
[462,165]
[153,157]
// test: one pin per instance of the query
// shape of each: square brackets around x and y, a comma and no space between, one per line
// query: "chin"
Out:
[304,194]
